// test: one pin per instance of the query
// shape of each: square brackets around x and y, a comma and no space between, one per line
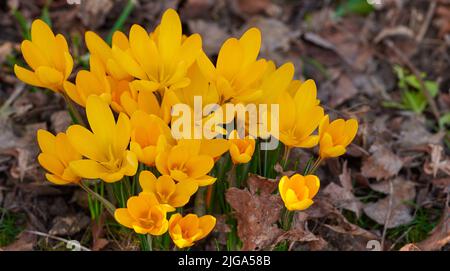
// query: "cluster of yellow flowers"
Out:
[139,78]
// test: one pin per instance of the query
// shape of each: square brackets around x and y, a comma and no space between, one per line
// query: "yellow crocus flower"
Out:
[237,73]
[186,230]
[93,82]
[149,136]
[48,57]
[297,191]
[166,190]
[299,117]
[144,215]
[170,55]
[105,147]
[336,136]
[184,162]
[57,153]
[241,149]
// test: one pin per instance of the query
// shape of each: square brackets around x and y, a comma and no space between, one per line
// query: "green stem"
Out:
[287,151]
[108,205]
[121,20]
[315,166]
[76,116]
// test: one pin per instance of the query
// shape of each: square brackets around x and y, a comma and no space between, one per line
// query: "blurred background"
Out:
[384,62]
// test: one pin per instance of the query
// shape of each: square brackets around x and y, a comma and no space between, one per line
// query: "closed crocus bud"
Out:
[184,231]
[336,136]
[241,150]
[48,57]
[297,191]
[57,153]
[165,189]
[144,214]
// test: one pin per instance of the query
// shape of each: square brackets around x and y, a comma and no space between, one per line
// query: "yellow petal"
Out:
[251,43]
[101,119]
[230,58]
[79,136]
[88,169]
[147,181]
[169,38]
[206,224]
[27,76]
[123,217]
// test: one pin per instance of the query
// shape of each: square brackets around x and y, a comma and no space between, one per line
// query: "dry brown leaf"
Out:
[440,236]
[252,7]
[256,214]
[344,90]
[394,31]
[60,121]
[213,35]
[437,163]
[93,13]
[25,242]
[98,240]
[382,163]
[413,133]
[342,196]
[403,191]
[5,50]
[69,225]
[410,247]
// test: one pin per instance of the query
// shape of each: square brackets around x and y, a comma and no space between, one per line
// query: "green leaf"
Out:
[361,7]
[414,101]
[432,87]
[444,120]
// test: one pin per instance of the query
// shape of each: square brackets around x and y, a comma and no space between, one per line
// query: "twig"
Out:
[417,74]
[388,215]
[423,30]
[55,238]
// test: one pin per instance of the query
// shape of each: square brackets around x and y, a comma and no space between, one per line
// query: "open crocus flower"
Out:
[93,82]
[299,117]
[297,191]
[57,153]
[105,147]
[149,136]
[241,150]
[48,57]
[166,190]
[336,136]
[170,54]
[144,215]
[184,231]
[184,162]
[99,48]
[237,73]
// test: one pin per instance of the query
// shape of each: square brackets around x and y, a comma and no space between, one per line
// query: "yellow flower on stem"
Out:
[143,214]
[336,136]
[241,150]
[184,162]
[48,57]
[149,136]
[299,117]
[57,153]
[186,230]
[297,191]
[105,147]
[93,82]
[170,55]
[237,73]
[166,190]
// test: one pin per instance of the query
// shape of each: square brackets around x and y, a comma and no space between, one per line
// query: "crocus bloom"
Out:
[237,73]
[144,214]
[241,150]
[299,117]
[93,82]
[184,162]
[297,191]
[57,153]
[336,136]
[184,231]
[105,147]
[166,190]
[170,55]
[149,136]
[48,57]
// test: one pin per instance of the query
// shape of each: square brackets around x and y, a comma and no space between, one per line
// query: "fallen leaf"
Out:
[388,32]
[413,133]
[344,90]
[60,120]
[410,247]
[69,225]
[381,164]
[5,50]
[93,13]
[98,235]
[256,214]
[25,242]
[440,236]
[403,191]
[213,35]
[437,163]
